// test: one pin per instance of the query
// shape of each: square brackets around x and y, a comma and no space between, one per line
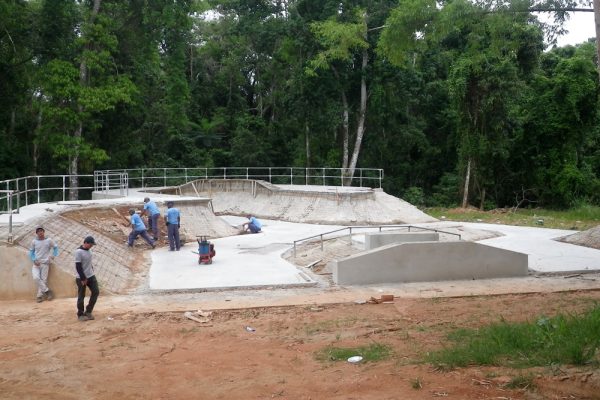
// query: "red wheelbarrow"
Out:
[206,250]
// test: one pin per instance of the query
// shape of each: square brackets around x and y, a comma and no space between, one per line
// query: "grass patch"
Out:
[372,352]
[579,218]
[564,339]
[521,382]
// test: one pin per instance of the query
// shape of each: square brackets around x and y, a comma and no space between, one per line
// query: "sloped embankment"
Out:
[308,204]
[589,238]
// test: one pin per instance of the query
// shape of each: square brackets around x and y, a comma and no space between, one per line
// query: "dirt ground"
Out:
[45,353]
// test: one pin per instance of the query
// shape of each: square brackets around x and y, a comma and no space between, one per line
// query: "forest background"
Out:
[460,102]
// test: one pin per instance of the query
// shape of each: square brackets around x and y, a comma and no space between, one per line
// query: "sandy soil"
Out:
[46,353]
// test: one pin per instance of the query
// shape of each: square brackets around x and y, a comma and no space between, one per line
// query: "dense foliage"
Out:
[458,103]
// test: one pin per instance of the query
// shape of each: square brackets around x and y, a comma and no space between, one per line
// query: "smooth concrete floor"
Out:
[244,261]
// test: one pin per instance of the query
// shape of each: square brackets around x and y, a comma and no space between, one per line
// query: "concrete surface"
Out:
[254,260]
[374,240]
[428,261]
[244,261]
[16,270]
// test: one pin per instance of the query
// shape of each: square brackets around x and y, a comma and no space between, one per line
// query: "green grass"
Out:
[564,339]
[579,218]
[372,352]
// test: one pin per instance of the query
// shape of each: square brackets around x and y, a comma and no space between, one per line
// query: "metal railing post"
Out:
[164,177]
[63,187]
[10,236]
[270,176]
[38,189]
[323,176]
[26,193]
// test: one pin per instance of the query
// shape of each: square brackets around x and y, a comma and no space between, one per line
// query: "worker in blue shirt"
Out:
[138,229]
[253,225]
[153,213]
[173,222]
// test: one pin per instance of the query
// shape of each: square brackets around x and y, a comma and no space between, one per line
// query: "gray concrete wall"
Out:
[378,239]
[428,261]
[16,282]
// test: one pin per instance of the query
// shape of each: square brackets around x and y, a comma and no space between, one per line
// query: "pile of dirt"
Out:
[589,238]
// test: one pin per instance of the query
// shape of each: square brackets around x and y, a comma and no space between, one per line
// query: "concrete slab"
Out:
[244,261]
[545,254]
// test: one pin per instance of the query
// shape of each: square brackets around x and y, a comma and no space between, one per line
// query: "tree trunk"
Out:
[307,143]
[360,129]
[83,78]
[597,21]
[482,202]
[345,124]
[465,200]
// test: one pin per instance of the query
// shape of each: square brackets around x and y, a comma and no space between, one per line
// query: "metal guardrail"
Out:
[105,181]
[27,190]
[152,177]
[10,224]
[379,227]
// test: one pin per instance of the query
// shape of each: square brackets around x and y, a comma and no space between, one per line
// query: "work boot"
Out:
[49,295]
[83,317]
[89,316]
[39,299]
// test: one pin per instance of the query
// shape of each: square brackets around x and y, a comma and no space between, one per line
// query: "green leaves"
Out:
[338,40]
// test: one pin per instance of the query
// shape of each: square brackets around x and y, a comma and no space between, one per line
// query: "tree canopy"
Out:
[461,102]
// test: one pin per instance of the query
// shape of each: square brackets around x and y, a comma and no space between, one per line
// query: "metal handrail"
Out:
[282,175]
[20,188]
[379,227]
[10,219]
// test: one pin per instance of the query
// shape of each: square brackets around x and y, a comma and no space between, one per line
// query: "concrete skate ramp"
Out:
[114,263]
[307,204]
[16,282]
[198,219]
[589,238]
[428,261]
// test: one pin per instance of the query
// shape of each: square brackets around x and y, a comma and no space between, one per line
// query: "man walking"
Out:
[138,229]
[42,252]
[85,277]
[173,222]
[151,209]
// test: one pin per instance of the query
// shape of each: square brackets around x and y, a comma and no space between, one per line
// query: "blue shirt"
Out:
[173,215]
[255,222]
[152,208]
[138,224]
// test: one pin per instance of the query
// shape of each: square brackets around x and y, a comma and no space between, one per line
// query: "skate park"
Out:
[315,237]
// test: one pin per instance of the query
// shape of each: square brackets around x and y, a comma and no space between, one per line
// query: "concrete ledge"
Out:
[374,240]
[428,261]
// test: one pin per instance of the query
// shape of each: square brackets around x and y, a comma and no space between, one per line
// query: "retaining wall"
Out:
[428,261]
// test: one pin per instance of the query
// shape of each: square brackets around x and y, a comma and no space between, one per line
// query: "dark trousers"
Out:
[144,234]
[153,222]
[173,232]
[92,283]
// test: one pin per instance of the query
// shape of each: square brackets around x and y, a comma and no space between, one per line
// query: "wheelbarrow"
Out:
[206,250]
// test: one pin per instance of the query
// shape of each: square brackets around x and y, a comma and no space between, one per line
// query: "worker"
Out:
[253,225]
[42,252]
[138,229]
[153,213]
[173,222]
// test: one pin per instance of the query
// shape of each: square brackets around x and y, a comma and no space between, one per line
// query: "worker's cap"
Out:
[170,204]
[131,211]
[146,199]
[39,228]
[89,239]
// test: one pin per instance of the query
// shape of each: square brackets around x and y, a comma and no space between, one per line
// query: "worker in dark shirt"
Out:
[85,277]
